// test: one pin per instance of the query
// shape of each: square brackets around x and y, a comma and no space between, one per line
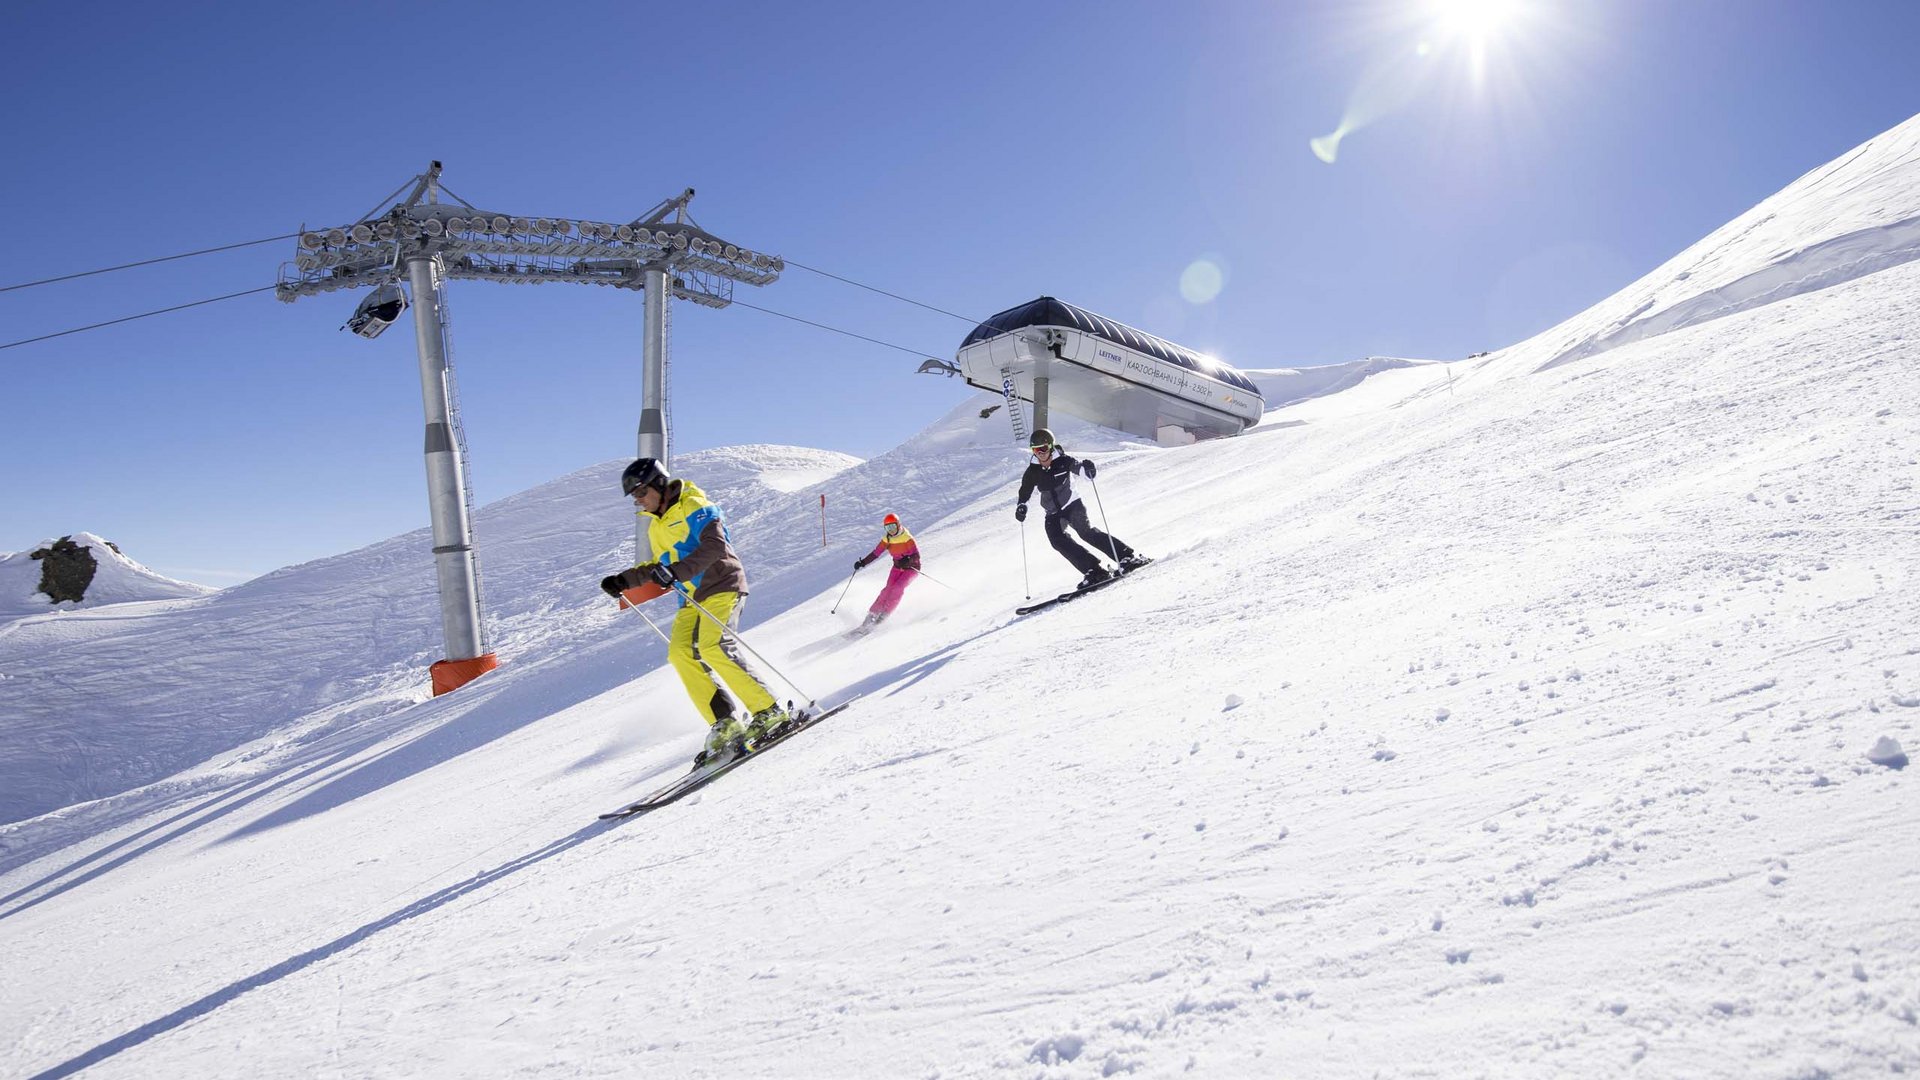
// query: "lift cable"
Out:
[882,292]
[145,262]
[264,288]
[835,329]
[142,315]
[290,236]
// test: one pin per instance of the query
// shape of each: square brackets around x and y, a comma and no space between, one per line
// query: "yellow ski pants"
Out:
[710,663]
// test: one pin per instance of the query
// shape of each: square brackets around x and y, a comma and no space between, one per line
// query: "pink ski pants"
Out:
[889,597]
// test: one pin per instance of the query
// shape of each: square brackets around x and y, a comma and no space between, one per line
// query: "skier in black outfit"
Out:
[1052,472]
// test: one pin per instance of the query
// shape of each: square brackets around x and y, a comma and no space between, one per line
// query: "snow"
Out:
[1886,751]
[1285,386]
[1851,217]
[117,579]
[1511,717]
[308,650]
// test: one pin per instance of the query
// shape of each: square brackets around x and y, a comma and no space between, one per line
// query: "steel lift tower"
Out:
[424,240]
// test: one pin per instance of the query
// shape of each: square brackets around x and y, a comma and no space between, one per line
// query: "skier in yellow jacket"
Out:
[693,559]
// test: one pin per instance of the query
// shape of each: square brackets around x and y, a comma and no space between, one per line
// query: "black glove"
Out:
[1087,467]
[859,565]
[611,585]
[659,574]
[1020,512]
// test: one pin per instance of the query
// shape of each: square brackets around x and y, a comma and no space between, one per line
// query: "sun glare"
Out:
[1479,58]
[1473,20]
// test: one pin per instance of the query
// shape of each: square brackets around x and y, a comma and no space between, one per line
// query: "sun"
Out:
[1474,21]
[1485,57]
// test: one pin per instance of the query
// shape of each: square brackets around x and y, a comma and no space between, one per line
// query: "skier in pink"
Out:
[897,543]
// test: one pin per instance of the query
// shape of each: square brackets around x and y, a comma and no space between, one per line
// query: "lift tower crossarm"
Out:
[422,241]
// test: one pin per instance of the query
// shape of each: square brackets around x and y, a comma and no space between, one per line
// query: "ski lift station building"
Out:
[1059,356]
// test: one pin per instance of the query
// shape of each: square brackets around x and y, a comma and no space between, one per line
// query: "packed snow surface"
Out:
[1509,718]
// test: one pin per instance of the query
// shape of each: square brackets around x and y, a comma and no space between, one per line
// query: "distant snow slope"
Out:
[1284,386]
[1516,725]
[1851,217]
[106,698]
[116,580]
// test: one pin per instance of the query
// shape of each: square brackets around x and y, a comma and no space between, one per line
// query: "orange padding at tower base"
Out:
[641,593]
[450,675]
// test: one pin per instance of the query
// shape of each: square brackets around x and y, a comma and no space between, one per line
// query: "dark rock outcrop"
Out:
[66,569]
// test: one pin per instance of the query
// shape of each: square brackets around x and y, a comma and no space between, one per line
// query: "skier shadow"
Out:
[508,706]
[918,668]
[836,640]
[186,821]
[914,670]
[205,1006]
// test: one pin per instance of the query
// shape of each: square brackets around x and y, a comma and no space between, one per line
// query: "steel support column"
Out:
[446,472]
[653,367]
[653,385]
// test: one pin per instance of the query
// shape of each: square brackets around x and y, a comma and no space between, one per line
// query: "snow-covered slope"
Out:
[1284,386]
[1516,725]
[1853,216]
[105,699]
[116,580]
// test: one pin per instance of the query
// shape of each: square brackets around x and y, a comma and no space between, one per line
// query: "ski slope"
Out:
[1507,718]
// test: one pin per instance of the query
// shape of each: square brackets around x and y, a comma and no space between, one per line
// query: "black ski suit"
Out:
[1065,510]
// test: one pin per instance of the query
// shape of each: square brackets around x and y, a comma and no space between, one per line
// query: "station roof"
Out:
[1047,311]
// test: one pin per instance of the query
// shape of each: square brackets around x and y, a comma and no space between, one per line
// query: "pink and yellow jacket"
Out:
[905,553]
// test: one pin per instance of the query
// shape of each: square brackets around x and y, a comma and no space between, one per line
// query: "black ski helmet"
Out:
[646,472]
[1040,438]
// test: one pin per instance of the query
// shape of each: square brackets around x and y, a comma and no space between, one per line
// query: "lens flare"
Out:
[1202,281]
[1488,46]
[1327,147]
[1387,86]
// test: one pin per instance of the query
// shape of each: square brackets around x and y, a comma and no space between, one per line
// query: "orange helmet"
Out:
[890,519]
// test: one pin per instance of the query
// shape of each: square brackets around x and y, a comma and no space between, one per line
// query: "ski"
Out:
[703,775]
[1075,594]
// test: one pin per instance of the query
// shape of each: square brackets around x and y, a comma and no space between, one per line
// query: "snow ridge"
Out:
[1856,215]
[1820,266]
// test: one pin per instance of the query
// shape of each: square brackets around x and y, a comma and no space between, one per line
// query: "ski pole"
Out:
[843,592]
[1111,550]
[649,622]
[742,642]
[1025,580]
[936,581]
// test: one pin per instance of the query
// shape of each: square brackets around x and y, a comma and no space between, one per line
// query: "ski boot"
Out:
[1133,562]
[1094,577]
[766,724]
[726,738]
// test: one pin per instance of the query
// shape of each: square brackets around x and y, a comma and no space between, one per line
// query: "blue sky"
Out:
[971,156]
